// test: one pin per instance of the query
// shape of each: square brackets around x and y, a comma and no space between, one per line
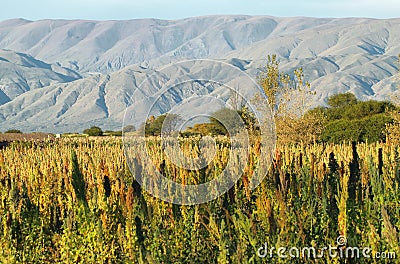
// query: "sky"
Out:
[176,9]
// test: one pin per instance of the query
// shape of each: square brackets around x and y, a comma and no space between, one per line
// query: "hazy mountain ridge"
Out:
[337,55]
[20,73]
[102,99]
[107,46]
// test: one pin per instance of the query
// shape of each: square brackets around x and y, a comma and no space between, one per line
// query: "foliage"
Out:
[94,131]
[224,120]
[227,120]
[128,128]
[271,80]
[342,100]
[367,129]
[359,110]
[249,120]
[351,120]
[306,129]
[75,201]
[15,131]
[72,135]
[166,123]
[290,99]
[393,129]
[112,133]
[205,129]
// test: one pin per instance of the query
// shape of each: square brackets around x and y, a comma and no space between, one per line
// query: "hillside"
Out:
[63,75]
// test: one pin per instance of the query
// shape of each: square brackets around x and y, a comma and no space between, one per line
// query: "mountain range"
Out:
[66,75]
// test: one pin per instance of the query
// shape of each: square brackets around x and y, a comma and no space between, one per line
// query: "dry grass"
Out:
[9,137]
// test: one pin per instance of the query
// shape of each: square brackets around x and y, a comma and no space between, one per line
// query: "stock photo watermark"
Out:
[184,95]
[340,250]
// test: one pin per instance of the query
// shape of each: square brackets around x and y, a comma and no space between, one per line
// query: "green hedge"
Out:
[367,129]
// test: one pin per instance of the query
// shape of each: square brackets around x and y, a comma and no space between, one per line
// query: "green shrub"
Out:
[129,128]
[359,110]
[369,129]
[166,122]
[113,133]
[341,100]
[352,120]
[14,131]
[93,131]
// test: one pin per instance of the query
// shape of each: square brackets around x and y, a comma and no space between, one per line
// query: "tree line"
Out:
[345,118]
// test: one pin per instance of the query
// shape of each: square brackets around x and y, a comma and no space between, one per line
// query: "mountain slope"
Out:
[102,99]
[107,46]
[337,55]
[20,73]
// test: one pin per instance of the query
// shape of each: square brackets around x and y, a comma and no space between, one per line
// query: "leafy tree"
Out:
[205,129]
[341,100]
[351,120]
[129,128]
[234,120]
[231,121]
[367,129]
[289,98]
[306,129]
[16,131]
[93,131]
[269,78]
[358,110]
[166,123]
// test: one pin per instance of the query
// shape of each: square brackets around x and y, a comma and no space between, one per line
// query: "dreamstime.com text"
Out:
[341,250]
